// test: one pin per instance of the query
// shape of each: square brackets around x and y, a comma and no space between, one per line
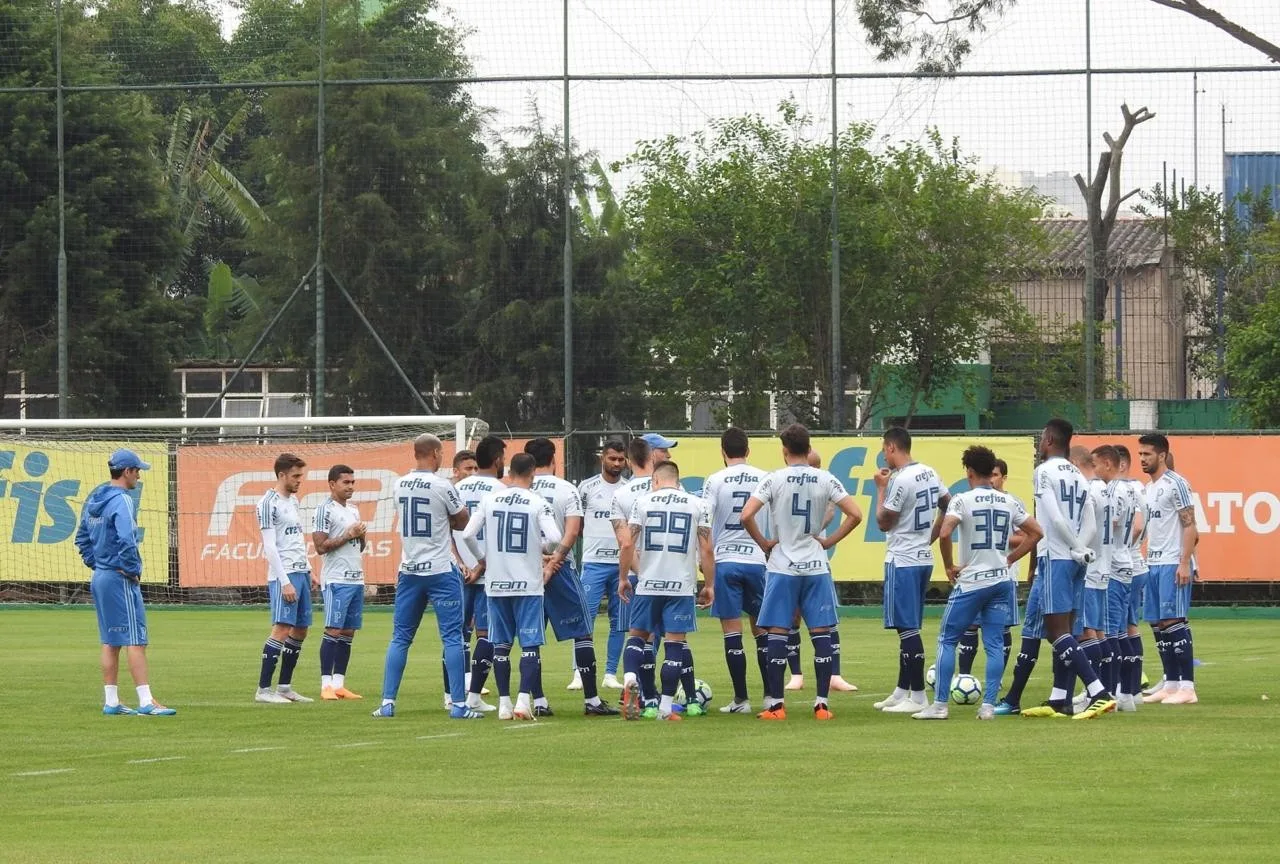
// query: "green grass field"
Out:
[230,780]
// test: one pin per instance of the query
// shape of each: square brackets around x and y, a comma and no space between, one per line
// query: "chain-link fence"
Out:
[573,214]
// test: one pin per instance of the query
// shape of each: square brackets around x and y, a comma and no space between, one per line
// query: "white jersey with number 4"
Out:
[344,565]
[725,493]
[1062,488]
[667,545]
[599,541]
[277,512]
[796,498]
[914,492]
[424,503]
[515,523]
[988,519]
[472,490]
[1165,497]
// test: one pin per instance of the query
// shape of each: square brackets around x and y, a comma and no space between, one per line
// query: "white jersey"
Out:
[914,493]
[1060,488]
[988,519]
[471,490]
[561,495]
[424,503]
[624,498]
[725,494]
[667,546]
[1097,573]
[1123,506]
[344,565]
[515,523]
[1137,491]
[277,512]
[1165,497]
[599,542]
[796,498]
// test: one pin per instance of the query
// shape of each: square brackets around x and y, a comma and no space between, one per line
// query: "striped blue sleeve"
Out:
[1181,493]
[322,518]
[266,513]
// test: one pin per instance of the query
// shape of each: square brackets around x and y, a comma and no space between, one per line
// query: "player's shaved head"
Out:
[543,451]
[1081,457]
[666,474]
[734,443]
[426,444]
[522,465]
[795,440]
[638,452]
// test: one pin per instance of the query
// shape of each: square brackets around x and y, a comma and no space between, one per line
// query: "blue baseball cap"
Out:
[122,459]
[657,442]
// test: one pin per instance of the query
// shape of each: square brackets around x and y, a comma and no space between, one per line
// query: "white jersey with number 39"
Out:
[796,498]
[988,519]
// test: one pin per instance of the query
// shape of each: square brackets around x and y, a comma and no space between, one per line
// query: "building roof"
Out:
[1135,243]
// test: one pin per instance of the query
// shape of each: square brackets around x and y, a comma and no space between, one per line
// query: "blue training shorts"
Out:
[565,605]
[475,607]
[1063,585]
[904,592]
[739,589]
[517,619]
[297,613]
[413,592]
[813,594]
[1165,598]
[657,613]
[343,606]
[1095,609]
[1118,605]
[117,601]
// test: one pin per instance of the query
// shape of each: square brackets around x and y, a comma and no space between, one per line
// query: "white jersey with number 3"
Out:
[424,503]
[988,519]
[725,493]
[796,498]
[667,545]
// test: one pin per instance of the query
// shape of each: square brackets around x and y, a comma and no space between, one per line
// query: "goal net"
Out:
[196,506]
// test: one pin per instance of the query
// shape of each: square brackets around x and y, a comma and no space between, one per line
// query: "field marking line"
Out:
[445,735]
[254,749]
[528,725]
[155,759]
[44,773]
[357,744]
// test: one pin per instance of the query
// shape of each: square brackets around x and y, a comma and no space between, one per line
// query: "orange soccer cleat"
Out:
[344,693]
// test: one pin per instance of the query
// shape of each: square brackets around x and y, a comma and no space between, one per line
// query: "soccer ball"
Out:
[966,690]
[931,676]
[701,693]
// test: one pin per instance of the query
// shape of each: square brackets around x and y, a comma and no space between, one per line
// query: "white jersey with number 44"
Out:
[1062,488]
[796,498]
[667,545]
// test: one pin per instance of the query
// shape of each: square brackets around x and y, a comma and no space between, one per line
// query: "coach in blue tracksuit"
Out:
[108,543]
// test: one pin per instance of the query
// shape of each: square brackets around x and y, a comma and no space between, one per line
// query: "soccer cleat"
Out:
[986,711]
[448,702]
[475,703]
[670,717]
[693,709]
[1007,709]
[743,707]
[602,709]
[543,711]
[269,696]
[906,706]
[1181,697]
[155,709]
[611,682]
[462,712]
[632,704]
[1158,696]
[933,711]
[576,683]
[118,710]
[1045,711]
[328,694]
[294,696]
[1081,702]
[822,712]
[649,712]
[887,702]
[344,693]
[677,707]
[795,683]
[1146,682]
[777,712]
[1096,709]
[523,712]
[506,713]
[388,710]
[1154,688]
[838,683]
[1126,703]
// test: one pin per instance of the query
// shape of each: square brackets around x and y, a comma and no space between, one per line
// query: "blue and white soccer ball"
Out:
[701,693]
[966,690]
[931,676]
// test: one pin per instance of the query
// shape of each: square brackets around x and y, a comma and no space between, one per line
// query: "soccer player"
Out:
[563,600]
[428,506]
[640,459]
[1091,619]
[1065,510]
[660,447]
[289,580]
[108,543]
[338,535]
[984,587]
[600,554]
[1171,542]
[798,575]
[1138,588]
[464,465]
[674,530]
[490,461]
[967,650]
[739,563]
[519,528]
[911,495]
[1124,521]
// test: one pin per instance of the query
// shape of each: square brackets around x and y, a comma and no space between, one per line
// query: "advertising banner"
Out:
[854,460]
[42,493]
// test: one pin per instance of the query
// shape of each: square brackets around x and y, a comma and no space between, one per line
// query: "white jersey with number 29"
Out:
[667,545]
[796,498]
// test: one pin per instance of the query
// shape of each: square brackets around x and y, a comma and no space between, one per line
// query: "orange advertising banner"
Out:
[219,487]
[1235,493]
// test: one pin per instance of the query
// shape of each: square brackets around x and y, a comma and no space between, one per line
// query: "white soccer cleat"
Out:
[521,712]
[611,682]
[908,706]
[736,708]
[796,683]
[1181,697]
[1126,704]
[576,683]
[887,702]
[505,712]
[292,695]
[448,703]
[986,711]
[269,696]
[1155,688]
[936,711]
[1080,703]
[475,703]
[843,686]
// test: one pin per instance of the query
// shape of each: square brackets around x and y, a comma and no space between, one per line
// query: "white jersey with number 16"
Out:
[424,503]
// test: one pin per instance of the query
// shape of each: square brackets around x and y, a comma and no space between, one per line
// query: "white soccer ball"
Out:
[931,676]
[701,693]
[966,690]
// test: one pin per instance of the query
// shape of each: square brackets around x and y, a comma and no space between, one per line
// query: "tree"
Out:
[1253,344]
[940,43]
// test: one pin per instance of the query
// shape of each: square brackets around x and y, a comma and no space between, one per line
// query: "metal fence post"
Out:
[318,402]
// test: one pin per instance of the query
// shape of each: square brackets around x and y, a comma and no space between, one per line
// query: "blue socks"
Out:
[672,667]
[687,678]
[584,658]
[822,662]
[1028,654]
[1165,649]
[289,660]
[481,663]
[1133,684]
[736,659]
[270,656]
[648,673]
[762,659]
[835,650]
[1077,663]
[911,656]
[967,652]
[530,670]
[633,656]
[793,650]
[342,654]
[777,665]
[328,648]
[1179,638]
[502,669]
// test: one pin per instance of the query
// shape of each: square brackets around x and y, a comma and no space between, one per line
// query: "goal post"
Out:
[196,506]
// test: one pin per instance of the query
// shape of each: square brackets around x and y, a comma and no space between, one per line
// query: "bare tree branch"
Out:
[1231,28]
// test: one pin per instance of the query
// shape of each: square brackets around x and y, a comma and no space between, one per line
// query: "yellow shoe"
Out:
[328,694]
[344,693]
[1096,709]
[1043,712]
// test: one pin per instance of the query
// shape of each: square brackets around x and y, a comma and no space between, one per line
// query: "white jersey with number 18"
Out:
[515,523]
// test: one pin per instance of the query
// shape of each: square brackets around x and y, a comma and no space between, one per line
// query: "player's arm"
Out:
[943,539]
[707,563]
[127,532]
[852,518]
[626,559]
[945,524]
[889,499]
[572,531]
[468,534]
[1190,538]
[1033,534]
[758,499]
